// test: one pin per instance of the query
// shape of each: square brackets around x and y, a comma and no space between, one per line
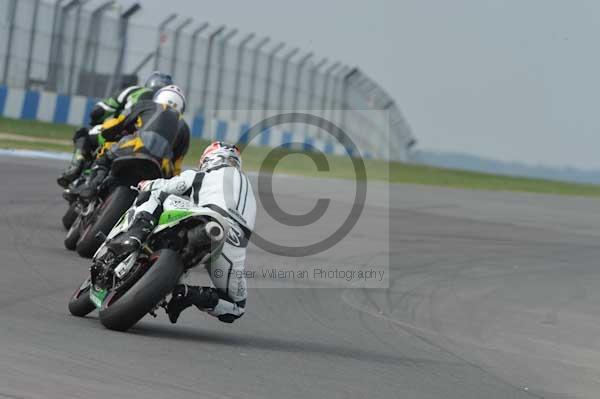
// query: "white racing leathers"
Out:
[227,191]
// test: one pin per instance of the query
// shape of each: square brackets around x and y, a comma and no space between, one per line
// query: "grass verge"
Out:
[339,167]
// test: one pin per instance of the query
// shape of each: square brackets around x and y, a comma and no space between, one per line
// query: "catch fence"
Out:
[76,48]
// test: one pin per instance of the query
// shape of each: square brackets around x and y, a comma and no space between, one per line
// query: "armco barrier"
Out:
[74,110]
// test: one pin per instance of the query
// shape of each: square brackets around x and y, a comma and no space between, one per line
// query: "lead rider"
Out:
[220,185]
[86,142]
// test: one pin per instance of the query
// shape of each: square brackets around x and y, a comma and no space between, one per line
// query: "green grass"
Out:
[34,146]
[339,167]
[418,174]
[36,129]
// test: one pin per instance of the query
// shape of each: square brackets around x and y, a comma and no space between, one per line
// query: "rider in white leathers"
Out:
[220,185]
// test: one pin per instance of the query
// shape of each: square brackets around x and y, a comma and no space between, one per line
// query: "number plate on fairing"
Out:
[97,296]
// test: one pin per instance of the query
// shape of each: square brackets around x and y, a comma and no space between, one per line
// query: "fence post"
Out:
[54,40]
[286,61]
[253,76]
[74,46]
[115,80]
[335,93]
[176,44]
[267,95]
[345,104]
[211,40]
[221,63]
[238,73]
[311,83]
[58,73]
[311,88]
[193,45]
[92,44]
[161,30]
[301,65]
[11,30]
[327,78]
[31,43]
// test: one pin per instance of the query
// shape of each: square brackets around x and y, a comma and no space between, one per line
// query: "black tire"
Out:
[70,216]
[145,294]
[73,234]
[113,208]
[80,304]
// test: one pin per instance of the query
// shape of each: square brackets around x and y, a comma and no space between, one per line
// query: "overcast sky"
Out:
[511,80]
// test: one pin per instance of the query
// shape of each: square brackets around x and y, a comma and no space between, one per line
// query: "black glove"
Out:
[82,132]
[97,115]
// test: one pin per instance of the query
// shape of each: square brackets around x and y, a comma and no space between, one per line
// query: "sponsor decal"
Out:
[234,236]
[180,186]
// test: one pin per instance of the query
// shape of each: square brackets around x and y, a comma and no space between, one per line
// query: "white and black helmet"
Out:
[171,96]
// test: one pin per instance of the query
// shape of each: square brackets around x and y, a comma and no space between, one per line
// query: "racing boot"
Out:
[73,170]
[90,188]
[70,193]
[184,296]
[80,155]
[140,229]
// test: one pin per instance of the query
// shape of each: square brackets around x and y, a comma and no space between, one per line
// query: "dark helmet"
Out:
[158,80]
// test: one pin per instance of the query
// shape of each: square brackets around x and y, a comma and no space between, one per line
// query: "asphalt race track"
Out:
[491,295]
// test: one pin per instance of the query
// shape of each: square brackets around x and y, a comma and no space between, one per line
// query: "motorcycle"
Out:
[72,211]
[126,287]
[114,196]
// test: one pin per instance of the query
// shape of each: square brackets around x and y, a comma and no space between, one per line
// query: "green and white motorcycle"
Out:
[126,287]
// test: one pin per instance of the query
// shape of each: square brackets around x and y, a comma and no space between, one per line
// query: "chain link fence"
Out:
[73,48]
[55,47]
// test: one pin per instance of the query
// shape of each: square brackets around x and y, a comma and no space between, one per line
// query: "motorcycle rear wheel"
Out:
[158,282]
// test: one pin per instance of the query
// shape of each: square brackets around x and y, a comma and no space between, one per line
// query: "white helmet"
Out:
[220,153]
[171,96]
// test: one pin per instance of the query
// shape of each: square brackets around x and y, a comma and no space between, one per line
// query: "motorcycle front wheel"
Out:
[73,234]
[112,209]
[80,304]
[70,215]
